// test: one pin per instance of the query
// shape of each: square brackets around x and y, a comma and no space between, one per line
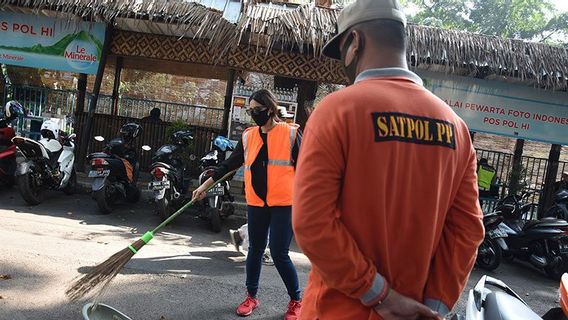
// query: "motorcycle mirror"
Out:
[99,138]
[192,157]
[146,148]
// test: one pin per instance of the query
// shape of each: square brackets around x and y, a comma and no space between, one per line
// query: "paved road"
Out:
[187,272]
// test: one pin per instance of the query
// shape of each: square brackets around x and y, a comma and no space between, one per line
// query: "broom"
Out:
[101,275]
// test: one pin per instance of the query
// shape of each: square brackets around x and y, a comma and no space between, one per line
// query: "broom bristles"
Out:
[99,276]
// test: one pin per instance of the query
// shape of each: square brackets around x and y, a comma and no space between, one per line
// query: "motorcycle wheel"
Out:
[103,201]
[491,258]
[165,206]
[555,272]
[133,194]
[9,182]
[214,219]
[71,187]
[30,191]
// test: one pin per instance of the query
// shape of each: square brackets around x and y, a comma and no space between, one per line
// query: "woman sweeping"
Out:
[268,152]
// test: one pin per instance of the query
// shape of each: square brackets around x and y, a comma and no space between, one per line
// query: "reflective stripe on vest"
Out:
[485,177]
[245,146]
[279,167]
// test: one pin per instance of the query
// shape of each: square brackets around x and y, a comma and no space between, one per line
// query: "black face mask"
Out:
[351,69]
[260,118]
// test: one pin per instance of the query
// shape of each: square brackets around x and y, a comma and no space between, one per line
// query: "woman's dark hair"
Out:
[267,99]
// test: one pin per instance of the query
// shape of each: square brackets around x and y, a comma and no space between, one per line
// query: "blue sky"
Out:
[562,5]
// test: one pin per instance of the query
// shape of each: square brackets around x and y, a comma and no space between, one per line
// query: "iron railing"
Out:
[533,173]
[44,102]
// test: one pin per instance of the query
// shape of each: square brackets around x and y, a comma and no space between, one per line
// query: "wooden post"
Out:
[81,91]
[116,85]
[516,171]
[549,180]
[228,102]
[306,92]
[86,132]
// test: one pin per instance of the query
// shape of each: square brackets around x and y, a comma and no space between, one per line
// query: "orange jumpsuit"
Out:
[385,189]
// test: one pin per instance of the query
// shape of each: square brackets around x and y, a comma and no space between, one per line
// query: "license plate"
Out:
[216,191]
[158,185]
[99,173]
[496,233]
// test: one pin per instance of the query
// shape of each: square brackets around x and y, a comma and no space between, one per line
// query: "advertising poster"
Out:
[48,43]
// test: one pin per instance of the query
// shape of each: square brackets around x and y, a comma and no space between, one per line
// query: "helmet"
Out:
[182,137]
[13,110]
[50,129]
[130,131]
[223,144]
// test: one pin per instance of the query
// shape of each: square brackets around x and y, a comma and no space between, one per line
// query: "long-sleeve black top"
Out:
[258,168]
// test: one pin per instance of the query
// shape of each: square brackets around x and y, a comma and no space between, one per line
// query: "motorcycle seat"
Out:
[163,164]
[502,306]
[546,223]
[99,155]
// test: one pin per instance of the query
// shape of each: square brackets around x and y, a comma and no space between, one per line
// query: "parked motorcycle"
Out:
[218,201]
[169,175]
[115,170]
[489,253]
[560,208]
[492,299]
[543,242]
[8,149]
[48,163]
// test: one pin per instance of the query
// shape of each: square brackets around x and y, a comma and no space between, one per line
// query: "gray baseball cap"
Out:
[362,11]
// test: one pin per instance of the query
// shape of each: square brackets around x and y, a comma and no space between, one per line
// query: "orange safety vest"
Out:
[280,169]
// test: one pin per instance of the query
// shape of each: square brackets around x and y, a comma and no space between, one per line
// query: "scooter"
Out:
[560,208]
[543,242]
[218,201]
[7,154]
[115,170]
[48,163]
[490,252]
[169,175]
[492,299]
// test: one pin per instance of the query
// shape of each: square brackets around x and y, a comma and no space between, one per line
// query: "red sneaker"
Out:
[246,308]
[294,310]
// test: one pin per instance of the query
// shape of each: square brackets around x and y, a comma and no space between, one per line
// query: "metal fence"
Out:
[153,134]
[42,102]
[533,172]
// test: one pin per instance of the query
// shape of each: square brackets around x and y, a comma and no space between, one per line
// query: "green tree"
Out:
[520,19]
[534,20]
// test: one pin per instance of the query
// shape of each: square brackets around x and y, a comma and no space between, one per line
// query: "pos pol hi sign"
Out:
[48,43]
[504,109]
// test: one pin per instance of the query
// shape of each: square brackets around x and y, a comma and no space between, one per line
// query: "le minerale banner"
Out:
[504,109]
[47,43]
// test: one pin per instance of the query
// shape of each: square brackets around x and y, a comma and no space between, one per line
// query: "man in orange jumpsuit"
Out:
[386,199]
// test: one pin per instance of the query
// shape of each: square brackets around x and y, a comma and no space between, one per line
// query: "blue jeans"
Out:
[279,221]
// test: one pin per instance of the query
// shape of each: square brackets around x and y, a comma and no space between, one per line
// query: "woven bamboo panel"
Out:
[286,64]
[292,65]
[146,45]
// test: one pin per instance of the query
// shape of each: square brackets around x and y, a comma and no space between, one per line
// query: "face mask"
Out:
[351,69]
[261,118]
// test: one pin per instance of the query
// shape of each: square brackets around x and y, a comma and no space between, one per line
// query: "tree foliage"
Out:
[534,20]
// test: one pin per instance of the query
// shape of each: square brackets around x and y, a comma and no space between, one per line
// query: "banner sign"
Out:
[48,43]
[503,109]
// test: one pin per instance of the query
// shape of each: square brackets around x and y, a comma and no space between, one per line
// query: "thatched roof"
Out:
[306,28]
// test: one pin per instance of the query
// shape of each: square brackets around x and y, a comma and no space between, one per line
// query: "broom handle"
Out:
[189,204]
